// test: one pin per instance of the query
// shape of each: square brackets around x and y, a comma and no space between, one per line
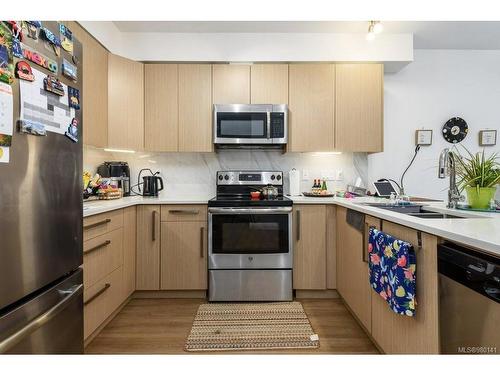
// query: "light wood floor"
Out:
[147,326]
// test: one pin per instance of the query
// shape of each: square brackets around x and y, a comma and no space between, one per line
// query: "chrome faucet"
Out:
[447,167]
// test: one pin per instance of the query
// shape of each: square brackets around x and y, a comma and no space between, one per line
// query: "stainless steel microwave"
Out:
[250,124]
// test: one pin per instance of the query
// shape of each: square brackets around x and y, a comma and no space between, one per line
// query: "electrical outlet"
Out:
[328,174]
[340,175]
[305,174]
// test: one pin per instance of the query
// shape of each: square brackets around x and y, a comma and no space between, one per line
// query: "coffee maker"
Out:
[119,174]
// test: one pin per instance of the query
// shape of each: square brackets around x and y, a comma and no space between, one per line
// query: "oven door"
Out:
[242,124]
[245,238]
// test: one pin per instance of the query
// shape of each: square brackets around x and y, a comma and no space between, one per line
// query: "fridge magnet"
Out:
[75,59]
[72,132]
[23,71]
[39,59]
[4,154]
[66,38]
[69,70]
[488,137]
[73,97]
[6,109]
[6,66]
[17,50]
[31,127]
[16,30]
[32,29]
[53,85]
[52,41]
[5,140]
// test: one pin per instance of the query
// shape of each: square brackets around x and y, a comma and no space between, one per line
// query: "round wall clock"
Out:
[455,130]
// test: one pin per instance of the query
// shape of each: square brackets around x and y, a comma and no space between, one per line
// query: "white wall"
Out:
[437,85]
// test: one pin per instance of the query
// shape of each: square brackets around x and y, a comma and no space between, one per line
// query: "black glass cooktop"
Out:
[239,201]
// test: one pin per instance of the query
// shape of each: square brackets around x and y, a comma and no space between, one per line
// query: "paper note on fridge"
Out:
[6,121]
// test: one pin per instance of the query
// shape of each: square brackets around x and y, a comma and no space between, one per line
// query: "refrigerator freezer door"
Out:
[48,323]
[40,206]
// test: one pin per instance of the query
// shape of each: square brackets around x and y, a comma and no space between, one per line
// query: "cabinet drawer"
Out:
[184,212]
[96,225]
[101,300]
[102,255]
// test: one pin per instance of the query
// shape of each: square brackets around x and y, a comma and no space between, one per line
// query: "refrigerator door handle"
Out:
[39,321]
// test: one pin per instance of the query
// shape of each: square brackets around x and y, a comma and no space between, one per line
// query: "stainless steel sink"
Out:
[416,210]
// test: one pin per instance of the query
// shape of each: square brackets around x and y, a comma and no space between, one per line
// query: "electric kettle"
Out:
[151,185]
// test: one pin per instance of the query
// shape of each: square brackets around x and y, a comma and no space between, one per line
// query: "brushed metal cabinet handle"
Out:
[202,242]
[154,225]
[97,247]
[298,225]
[185,212]
[101,291]
[99,223]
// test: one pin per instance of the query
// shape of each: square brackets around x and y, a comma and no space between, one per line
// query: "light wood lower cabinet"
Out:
[148,248]
[184,255]
[309,258]
[101,300]
[129,249]
[352,269]
[411,335]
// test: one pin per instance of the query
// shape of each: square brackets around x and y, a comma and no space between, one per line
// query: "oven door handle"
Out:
[242,211]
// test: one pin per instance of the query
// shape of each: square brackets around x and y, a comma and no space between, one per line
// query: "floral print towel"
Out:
[392,271]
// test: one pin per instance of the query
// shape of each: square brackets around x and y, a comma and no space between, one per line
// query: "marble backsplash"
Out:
[194,173]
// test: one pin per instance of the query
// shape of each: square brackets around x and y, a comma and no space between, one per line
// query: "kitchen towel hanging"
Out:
[392,267]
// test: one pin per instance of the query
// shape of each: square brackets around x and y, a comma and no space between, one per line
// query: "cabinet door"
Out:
[95,88]
[126,103]
[359,107]
[309,258]
[183,255]
[161,121]
[411,335]
[231,84]
[148,248]
[311,107]
[353,281]
[331,247]
[195,107]
[269,84]
[129,249]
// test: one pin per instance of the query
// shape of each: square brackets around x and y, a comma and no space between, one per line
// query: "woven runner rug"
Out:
[251,326]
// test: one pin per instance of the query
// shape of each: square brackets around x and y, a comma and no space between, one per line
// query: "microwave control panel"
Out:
[277,125]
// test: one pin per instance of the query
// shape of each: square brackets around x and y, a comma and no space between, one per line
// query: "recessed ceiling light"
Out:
[119,150]
[378,27]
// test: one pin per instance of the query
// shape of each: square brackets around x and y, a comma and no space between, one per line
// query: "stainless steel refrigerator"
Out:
[41,286]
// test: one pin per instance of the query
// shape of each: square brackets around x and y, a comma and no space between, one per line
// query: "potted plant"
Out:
[478,175]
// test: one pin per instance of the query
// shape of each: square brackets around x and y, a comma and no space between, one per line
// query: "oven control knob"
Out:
[220,177]
[250,259]
[272,177]
[226,177]
[278,177]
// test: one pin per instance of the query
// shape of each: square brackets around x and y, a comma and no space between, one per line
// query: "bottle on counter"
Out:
[323,186]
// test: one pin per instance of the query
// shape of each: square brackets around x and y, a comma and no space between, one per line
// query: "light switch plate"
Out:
[305,174]
[340,175]
[488,137]
[423,137]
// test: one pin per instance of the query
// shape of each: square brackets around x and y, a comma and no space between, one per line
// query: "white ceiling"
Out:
[427,34]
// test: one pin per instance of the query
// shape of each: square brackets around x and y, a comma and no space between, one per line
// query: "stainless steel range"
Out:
[250,239]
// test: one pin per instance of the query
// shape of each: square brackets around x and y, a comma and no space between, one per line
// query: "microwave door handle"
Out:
[268,125]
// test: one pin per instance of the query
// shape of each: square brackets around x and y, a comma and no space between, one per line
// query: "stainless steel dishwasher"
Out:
[469,301]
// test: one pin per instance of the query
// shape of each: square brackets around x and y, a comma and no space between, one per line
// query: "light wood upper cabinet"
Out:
[126,103]
[195,107]
[184,255]
[353,282]
[311,107]
[148,248]
[418,334]
[309,258]
[359,107]
[95,88]
[231,84]
[269,84]
[161,121]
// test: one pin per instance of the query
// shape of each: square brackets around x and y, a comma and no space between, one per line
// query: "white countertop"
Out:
[478,229]
[99,206]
